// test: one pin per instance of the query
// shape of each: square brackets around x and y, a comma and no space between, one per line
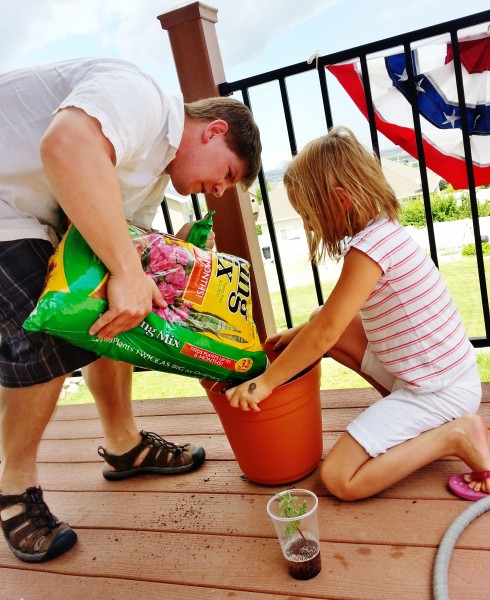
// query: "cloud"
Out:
[139,36]
[27,27]
[130,28]
[245,29]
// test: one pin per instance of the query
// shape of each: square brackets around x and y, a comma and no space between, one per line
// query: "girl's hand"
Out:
[248,395]
[280,340]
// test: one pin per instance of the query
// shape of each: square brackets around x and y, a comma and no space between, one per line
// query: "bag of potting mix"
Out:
[206,331]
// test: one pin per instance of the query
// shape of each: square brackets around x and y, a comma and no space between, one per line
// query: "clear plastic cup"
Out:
[295,518]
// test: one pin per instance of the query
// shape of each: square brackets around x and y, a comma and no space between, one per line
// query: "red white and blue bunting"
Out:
[437,100]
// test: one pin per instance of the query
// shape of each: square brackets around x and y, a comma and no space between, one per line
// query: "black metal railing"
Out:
[284,75]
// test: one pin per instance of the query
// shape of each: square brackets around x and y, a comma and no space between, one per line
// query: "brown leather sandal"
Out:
[162,457]
[35,535]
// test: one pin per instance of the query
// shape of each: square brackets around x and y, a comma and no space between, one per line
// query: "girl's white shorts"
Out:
[404,414]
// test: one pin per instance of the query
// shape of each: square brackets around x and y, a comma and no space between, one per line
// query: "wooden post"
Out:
[192,33]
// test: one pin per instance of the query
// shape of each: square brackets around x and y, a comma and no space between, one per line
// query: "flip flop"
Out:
[458,485]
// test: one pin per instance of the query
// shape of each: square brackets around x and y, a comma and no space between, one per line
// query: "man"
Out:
[97,141]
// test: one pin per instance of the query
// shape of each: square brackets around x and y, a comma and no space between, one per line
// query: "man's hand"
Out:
[130,300]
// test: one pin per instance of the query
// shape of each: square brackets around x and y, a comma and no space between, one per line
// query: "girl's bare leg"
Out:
[351,474]
[349,351]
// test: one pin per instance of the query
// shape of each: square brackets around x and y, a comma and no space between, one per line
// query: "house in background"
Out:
[405,181]
[288,223]
[179,209]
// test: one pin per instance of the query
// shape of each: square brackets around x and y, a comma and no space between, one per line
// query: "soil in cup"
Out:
[303,558]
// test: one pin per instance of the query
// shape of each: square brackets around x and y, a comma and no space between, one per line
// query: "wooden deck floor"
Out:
[206,535]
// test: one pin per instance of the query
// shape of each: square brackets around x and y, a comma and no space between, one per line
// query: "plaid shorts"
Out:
[28,358]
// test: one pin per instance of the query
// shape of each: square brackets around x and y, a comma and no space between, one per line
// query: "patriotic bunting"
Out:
[437,101]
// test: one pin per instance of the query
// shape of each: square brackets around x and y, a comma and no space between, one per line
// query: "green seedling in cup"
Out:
[289,510]
[295,522]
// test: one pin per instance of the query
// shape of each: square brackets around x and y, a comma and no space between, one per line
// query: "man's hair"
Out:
[242,137]
[313,179]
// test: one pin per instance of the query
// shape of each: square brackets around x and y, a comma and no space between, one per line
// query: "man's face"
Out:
[206,167]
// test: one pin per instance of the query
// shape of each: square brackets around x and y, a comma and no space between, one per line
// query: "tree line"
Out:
[445,206]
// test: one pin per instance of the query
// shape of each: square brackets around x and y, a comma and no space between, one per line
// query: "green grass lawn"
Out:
[461,277]
[148,385]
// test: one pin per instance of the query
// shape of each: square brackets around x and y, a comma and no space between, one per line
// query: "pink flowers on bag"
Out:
[169,265]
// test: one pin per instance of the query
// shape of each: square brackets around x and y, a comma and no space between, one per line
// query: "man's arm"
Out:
[79,163]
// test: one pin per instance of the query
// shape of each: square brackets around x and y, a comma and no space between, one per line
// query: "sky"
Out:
[254,36]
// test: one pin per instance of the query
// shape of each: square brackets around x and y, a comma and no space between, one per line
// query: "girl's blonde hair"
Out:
[337,160]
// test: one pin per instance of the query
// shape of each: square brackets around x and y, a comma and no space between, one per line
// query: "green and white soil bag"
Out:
[206,331]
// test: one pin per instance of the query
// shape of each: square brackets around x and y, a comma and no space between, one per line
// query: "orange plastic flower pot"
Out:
[283,442]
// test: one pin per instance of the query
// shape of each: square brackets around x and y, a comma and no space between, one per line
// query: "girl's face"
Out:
[307,223]
[342,215]
[304,216]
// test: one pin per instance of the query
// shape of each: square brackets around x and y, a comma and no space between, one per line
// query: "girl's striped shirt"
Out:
[410,319]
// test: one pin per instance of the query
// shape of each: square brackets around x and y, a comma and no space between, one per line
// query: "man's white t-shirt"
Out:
[143,124]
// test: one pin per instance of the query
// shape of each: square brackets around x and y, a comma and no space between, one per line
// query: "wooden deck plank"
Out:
[85,450]
[244,563]
[245,515]
[206,535]
[336,580]
[334,419]
[37,585]
[361,397]
[226,477]
[358,398]
[256,565]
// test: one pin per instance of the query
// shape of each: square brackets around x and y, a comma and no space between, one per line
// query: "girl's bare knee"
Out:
[337,485]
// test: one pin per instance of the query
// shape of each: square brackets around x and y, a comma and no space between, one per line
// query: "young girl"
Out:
[391,319]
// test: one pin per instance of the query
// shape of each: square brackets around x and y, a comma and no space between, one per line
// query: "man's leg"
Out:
[109,382]
[128,451]
[26,405]
[31,531]
[25,412]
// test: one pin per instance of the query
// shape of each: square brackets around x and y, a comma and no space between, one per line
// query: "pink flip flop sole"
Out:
[458,486]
